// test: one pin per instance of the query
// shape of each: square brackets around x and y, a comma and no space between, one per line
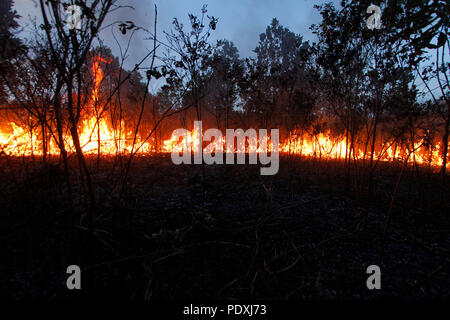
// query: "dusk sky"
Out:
[240,21]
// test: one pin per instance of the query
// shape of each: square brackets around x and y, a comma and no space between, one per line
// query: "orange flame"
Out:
[99,135]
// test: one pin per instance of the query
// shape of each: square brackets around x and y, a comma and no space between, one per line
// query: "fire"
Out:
[20,142]
[97,134]
[326,146]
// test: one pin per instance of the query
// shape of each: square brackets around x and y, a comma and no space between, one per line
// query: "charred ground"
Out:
[307,232]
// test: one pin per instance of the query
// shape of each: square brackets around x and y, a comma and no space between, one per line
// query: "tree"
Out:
[188,56]
[10,46]
[422,27]
[359,68]
[31,84]
[277,80]
[222,81]
[69,48]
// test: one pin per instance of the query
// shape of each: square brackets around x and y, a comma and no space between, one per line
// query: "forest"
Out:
[86,176]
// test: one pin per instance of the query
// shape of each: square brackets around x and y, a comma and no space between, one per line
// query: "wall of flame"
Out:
[98,135]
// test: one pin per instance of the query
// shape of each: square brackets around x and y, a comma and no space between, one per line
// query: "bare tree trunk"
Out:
[98,136]
[81,159]
[62,147]
[372,153]
[445,153]
[44,140]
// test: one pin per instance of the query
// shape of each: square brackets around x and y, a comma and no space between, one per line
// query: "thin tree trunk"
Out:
[445,153]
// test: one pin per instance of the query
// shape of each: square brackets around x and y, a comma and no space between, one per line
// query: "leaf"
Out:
[212,24]
[442,39]
[123,28]
[156,74]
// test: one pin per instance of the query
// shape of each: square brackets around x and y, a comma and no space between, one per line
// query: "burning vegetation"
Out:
[99,134]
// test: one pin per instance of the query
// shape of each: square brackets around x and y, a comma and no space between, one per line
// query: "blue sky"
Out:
[240,21]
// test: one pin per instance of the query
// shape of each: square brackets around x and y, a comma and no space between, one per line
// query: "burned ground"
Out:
[305,233]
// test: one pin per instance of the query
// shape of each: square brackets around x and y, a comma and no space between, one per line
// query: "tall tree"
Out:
[10,45]
[360,64]
[422,27]
[277,77]
[222,81]
[188,56]
[69,49]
